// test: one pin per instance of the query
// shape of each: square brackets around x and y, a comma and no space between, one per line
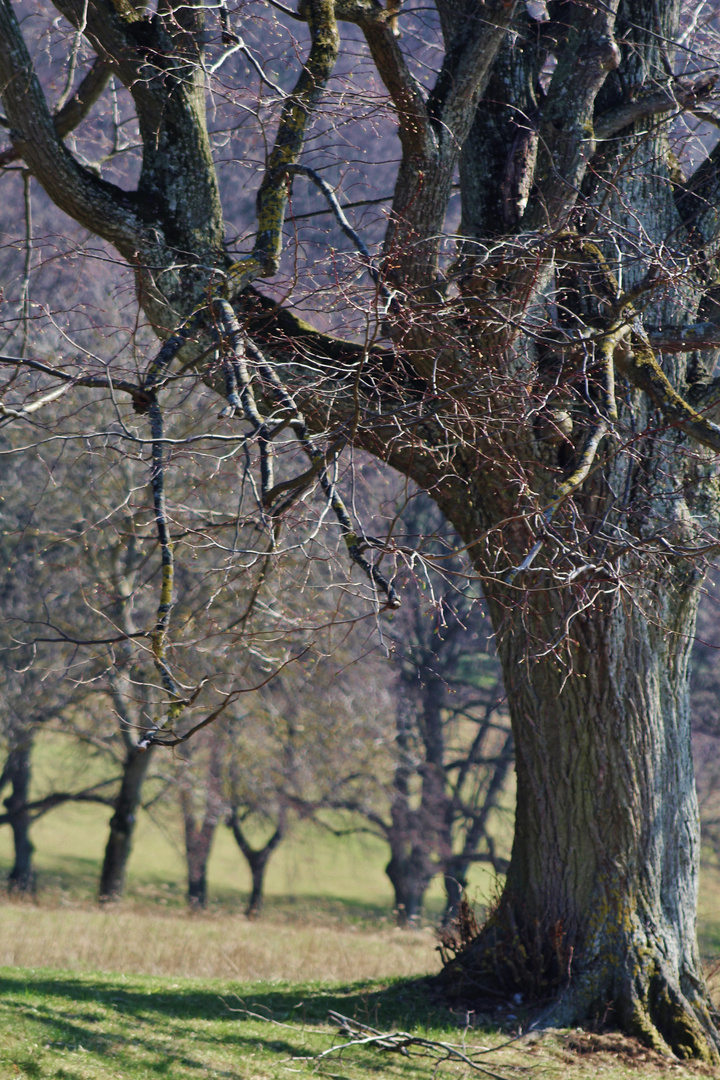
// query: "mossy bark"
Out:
[598,910]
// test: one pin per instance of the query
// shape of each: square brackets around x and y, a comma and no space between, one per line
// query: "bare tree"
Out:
[258,856]
[544,379]
[453,745]
[203,806]
[316,739]
[16,772]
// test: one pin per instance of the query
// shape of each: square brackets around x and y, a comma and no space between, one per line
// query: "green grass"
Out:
[56,1026]
[215,996]
[313,874]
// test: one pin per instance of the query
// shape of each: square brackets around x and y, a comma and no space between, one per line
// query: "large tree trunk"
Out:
[599,904]
[600,900]
[17,772]
[122,825]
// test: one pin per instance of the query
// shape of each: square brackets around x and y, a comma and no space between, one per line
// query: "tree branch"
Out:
[640,366]
[76,108]
[698,203]
[676,97]
[466,69]
[680,339]
[289,140]
[417,135]
[41,806]
[567,139]
[432,133]
[94,203]
[249,852]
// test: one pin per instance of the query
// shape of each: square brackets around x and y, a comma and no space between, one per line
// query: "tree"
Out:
[29,703]
[705,685]
[315,740]
[453,747]
[48,551]
[256,857]
[202,805]
[544,380]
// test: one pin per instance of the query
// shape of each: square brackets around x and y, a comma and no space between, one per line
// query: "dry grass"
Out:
[82,938]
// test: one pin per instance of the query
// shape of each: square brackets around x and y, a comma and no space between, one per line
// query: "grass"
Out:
[140,941]
[313,874]
[142,990]
[56,1026]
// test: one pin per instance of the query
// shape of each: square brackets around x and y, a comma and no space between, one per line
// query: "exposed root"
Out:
[630,990]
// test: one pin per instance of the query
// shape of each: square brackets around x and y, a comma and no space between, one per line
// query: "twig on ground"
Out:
[403,1042]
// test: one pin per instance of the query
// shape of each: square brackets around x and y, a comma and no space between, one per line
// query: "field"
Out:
[143,990]
[83,1027]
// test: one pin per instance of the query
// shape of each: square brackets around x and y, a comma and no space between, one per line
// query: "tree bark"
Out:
[599,904]
[410,872]
[198,844]
[17,772]
[255,901]
[122,825]
[415,834]
[199,837]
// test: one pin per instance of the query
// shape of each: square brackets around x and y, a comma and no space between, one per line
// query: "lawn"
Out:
[56,1026]
[313,871]
[144,990]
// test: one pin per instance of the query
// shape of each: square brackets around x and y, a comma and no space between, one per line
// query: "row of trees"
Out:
[533,345]
[401,744]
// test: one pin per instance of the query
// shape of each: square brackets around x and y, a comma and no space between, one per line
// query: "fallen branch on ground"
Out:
[402,1042]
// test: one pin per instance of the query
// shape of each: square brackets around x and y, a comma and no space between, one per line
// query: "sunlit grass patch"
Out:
[220,945]
[61,1026]
[313,874]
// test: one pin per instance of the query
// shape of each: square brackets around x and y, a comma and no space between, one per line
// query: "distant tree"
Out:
[257,856]
[452,741]
[16,772]
[202,764]
[29,704]
[315,738]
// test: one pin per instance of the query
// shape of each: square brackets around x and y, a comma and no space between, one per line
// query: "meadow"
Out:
[143,990]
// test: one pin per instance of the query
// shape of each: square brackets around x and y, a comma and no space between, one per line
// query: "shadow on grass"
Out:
[404,1003]
[115,1020]
[76,878]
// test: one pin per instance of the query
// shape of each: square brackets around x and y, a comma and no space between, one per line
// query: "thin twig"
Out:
[322,185]
[318,460]
[403,1042]
[25,292]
